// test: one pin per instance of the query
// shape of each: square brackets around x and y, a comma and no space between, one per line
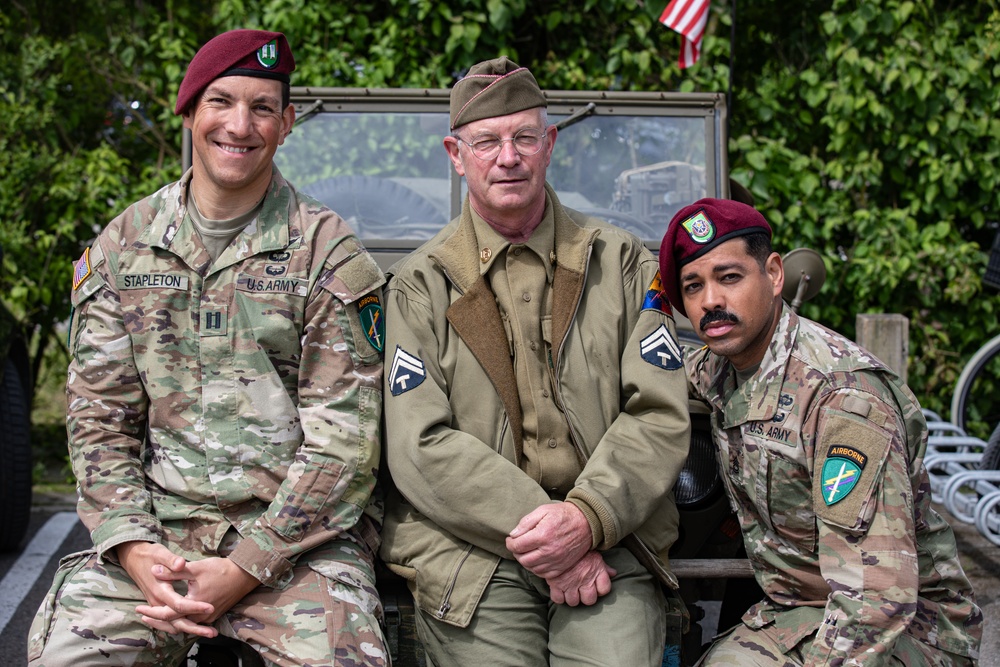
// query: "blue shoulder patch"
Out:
[407,372]
[660,349]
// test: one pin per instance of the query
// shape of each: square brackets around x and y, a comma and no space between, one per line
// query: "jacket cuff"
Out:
[259,557]
[596,527]
[137,528]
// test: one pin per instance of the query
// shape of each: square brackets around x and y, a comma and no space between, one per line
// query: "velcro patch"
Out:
[81,270]
[407,372]
[841,472]
[372,322]
[845,475]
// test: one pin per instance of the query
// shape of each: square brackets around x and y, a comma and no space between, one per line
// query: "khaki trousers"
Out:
[517,625]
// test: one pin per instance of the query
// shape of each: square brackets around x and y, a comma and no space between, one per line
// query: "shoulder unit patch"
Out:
[841,472]
[660,349]
[406,373]
[81,270]
[372,322]
[654,297]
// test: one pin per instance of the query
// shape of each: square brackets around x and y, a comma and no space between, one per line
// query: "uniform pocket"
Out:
[69,565]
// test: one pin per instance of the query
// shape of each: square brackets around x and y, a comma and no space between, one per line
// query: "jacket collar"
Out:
[757,398]
[172,229]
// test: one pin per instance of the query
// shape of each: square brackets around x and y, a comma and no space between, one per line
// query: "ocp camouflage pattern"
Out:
[845,574]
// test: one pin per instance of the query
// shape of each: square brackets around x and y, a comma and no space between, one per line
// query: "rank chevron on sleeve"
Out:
[407,372]
[660,349]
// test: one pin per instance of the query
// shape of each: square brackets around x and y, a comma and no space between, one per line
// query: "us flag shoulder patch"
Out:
[661,350]
[407,372]
[81,270]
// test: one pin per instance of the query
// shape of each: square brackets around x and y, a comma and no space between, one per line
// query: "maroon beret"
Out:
[698,228]
[236,53]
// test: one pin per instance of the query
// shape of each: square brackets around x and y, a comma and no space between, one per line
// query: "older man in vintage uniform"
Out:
[536,411]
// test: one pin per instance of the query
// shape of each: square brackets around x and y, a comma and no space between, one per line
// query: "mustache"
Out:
[717,316]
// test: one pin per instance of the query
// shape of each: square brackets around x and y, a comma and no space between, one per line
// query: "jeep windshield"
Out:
[376,158]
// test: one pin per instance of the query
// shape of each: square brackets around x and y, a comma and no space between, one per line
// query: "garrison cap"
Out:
[493,88]
[697,229]
[236,53]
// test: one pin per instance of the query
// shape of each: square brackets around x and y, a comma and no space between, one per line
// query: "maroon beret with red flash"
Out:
[256,53]
[698,228]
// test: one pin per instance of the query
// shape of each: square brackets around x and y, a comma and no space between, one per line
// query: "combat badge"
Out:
[407,372]
[654,297]
[81,271]
[841,472]
[660,349]
[372,323]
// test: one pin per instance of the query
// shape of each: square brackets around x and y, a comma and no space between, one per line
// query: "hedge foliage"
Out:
[867,131]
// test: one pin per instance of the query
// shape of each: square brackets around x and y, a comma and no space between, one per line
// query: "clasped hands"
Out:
[214,585]
[554,543]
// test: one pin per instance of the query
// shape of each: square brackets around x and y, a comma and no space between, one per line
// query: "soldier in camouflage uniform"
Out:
[821,448]
[224,404]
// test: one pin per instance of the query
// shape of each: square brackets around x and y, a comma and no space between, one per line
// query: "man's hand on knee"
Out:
[217,581]
[584,583]
[551,539]
[166,609]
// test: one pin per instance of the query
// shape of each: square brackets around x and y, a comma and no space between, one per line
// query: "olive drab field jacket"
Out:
[453,432]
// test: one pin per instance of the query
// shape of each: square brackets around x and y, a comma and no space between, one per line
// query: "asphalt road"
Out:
[25,576]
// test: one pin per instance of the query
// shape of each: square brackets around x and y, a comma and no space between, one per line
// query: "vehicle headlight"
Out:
[699,479]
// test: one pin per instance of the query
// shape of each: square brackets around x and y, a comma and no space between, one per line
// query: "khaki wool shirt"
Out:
[521,278]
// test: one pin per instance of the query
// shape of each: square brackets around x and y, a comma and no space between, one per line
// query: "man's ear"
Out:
[287,121]
[451,145]
[775,270]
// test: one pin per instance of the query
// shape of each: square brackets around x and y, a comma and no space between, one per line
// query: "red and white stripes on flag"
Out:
[688,17]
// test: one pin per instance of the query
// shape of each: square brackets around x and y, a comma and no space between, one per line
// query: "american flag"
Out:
[688,17]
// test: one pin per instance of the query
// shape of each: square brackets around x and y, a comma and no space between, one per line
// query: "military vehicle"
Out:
[375,156]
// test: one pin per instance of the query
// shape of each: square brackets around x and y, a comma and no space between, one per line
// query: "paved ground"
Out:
[59,533]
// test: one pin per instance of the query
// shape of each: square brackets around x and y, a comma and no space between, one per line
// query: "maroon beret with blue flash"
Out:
[256,53]
[698,228]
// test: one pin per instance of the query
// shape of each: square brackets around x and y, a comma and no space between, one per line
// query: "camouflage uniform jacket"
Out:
[822,454]
[243,393]
[453,416]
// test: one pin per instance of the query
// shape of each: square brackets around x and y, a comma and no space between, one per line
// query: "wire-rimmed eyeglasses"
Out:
[488,146]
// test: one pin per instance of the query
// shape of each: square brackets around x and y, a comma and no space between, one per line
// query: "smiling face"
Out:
[236,125]
[733,302]
[508,191]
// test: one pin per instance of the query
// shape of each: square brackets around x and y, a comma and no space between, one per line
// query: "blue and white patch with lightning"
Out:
[660,349]
[407,372]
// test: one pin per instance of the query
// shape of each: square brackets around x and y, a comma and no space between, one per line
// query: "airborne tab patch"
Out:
[841,472]
[660,349]
[407,372]
[370,313]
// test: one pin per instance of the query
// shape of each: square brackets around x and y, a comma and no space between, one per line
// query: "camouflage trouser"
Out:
[517,625]
[745,647]
[329,614]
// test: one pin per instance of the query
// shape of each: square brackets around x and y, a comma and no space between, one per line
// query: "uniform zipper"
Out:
[446,600]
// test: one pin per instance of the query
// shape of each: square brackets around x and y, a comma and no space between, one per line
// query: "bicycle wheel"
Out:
[975,406]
